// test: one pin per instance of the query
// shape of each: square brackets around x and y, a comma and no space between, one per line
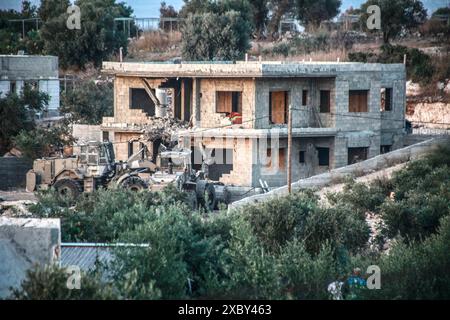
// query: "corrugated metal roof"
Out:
[85,257]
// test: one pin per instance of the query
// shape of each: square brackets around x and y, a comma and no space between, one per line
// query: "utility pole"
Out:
[289,166]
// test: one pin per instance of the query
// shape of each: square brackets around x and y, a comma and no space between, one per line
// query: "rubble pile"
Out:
[162,129]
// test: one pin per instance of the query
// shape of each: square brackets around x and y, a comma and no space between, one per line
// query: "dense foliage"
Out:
[396,16]
[98,39]
[43,141]
[88,102]
[215,36]
[17,113]
[312,12]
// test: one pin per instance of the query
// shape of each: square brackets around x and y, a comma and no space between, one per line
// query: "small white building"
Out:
[38,71]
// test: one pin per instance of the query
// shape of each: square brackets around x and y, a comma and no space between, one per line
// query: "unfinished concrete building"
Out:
[342,113]
[40,72]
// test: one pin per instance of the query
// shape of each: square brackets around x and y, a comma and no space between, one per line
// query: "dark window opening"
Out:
[281,158]
[302,157]
[385,149]
[386,99]
[105,135]
[139,99]
[304,97]
[223,163]
[325,101]
[357,100]
[12,87]
[324,156]
[278,107]
[229,101]
[357,155]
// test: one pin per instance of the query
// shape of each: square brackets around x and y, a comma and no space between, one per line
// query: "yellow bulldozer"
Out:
[93,166]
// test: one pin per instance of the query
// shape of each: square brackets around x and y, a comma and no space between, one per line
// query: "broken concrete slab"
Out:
[25,243]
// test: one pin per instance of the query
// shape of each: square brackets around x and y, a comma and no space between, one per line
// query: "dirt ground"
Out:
[17,195]
[381,174]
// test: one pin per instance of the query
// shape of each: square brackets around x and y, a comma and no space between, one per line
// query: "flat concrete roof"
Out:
[257,133]
[242,69]
[28,67]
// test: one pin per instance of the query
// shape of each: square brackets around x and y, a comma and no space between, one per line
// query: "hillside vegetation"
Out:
[288,248]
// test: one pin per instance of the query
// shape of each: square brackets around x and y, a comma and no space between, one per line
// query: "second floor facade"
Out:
[257,95]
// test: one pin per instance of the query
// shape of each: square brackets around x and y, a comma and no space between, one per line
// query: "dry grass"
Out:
[155,42]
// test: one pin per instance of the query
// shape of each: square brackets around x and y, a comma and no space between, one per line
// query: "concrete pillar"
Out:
[196,101]
[4,88]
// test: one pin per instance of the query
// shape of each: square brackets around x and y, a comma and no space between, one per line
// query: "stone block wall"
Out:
[122,111]
[379,162]
[13,172]
[209,118]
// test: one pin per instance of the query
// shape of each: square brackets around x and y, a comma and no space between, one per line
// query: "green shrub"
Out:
[417,270]
[280,220]
[103,215]
[298,216]
[167,231]
[50,283]
[306,276]
[361,197]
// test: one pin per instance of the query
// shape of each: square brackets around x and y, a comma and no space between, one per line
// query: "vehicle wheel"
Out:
[67,188]
[206,194]
[134,183]
[192,199]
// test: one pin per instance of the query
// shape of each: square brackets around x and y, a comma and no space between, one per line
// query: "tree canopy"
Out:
[312,12]
[17,113]
[88,102]
[98,38]
[397,15]
[215,36]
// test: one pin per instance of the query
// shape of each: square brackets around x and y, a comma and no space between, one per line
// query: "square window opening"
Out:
[386,99]
[357,100]
[325,101]
[278,107]
[228,102]
[324,156]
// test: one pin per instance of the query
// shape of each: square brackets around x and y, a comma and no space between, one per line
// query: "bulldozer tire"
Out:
[134,183]
[192,199]
[206,195]
[68,188]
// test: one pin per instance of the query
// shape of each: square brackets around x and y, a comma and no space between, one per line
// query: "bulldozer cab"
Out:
[96,153]
[175,161]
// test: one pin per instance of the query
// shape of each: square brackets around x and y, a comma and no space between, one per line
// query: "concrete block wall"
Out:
[241,174]
[86,133]
[377,163]
[25,243]
[13,172]
[121,144]
[302,117]
[29,67]
[122,111]
[276,175]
